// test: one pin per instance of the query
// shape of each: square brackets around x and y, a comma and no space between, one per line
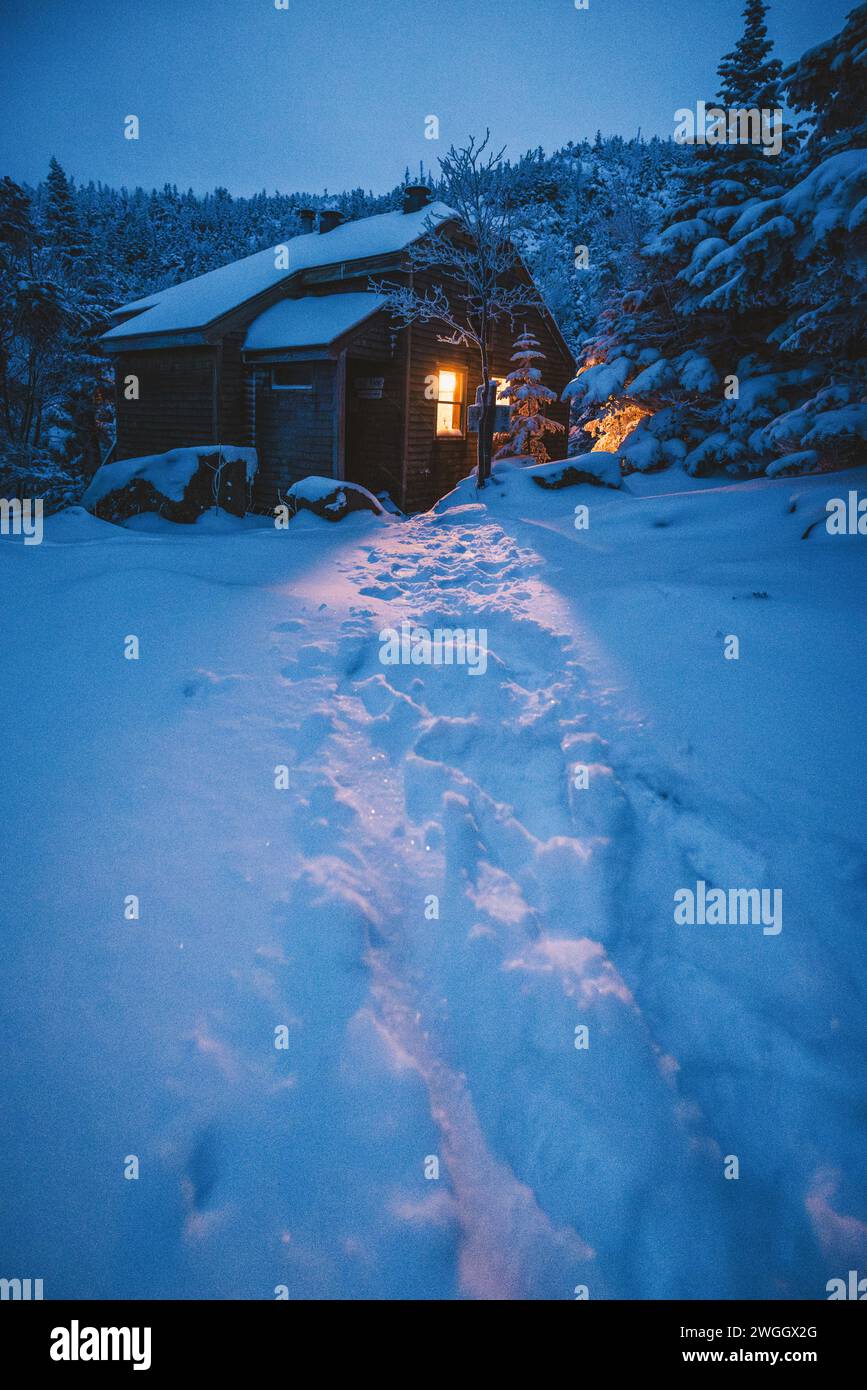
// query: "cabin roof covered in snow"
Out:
[314,321]
[196,303]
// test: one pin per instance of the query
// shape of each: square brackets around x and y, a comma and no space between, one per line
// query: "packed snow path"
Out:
[416,1035]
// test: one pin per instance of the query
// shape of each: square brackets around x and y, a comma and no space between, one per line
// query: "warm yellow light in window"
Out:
[450,404]
[448,383]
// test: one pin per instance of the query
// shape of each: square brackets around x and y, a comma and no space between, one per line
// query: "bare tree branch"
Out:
[476,260]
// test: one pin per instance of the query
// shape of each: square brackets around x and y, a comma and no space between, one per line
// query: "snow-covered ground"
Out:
[411,1037]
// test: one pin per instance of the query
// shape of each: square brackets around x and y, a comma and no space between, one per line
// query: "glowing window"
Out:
[450,404]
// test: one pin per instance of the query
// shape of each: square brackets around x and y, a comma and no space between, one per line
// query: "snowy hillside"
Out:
[395,871]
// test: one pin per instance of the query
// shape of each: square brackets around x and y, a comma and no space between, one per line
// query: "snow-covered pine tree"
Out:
[828,84]
[800,255]
[63,228]
[34,361]
[749,76]
[527,396]
[746,307]
[750,80]
[16,226]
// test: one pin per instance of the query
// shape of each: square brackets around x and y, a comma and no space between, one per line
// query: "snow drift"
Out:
[374,970]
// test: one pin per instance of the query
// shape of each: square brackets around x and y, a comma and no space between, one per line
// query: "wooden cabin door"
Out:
[374,426]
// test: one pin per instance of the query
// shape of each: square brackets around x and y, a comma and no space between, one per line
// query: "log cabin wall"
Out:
[299,433]
[176,400]
[231,378]
[187,395]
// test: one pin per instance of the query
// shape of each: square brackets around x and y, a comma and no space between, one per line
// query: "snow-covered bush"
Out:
[37,473]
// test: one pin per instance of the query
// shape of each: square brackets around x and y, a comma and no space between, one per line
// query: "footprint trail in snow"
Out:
[559,1160]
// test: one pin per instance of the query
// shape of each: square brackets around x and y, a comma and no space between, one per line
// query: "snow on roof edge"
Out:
[310,321]
[195,303]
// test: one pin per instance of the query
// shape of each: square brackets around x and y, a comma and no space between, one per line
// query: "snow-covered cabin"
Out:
[289,352]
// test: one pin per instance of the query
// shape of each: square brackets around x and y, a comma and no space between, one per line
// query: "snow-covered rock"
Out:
[180,484]
[331,499]
[599,468]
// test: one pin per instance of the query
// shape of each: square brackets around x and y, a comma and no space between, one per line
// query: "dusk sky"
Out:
[334,93]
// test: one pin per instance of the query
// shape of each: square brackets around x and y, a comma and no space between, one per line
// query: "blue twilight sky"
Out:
[334,93]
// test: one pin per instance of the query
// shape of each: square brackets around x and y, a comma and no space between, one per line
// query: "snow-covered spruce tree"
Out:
[828,84]
[64,232]
[528,423]
[700,341]
[76,420]
[55,383]
[803,252]
[33,318]
[581,243]
[749,76]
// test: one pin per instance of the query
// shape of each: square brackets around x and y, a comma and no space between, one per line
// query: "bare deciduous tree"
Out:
[473,267]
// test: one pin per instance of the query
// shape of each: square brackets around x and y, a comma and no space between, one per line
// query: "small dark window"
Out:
[292,376]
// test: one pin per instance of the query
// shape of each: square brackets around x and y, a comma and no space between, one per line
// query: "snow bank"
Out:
[74,526]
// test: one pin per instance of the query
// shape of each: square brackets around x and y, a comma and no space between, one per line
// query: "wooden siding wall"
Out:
[374,340]
[175,407]
[294,433]
[435,465]
[233,423]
